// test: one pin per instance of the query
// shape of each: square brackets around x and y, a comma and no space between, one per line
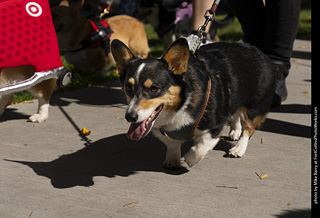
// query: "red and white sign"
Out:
[33,9]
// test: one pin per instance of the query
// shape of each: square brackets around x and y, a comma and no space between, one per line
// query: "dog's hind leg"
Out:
[8,76]
[197,152]
[43,111]
[248,126]
[235,127]
[43,92]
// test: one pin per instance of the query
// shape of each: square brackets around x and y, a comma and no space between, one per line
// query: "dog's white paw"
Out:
[172,164]
[236,152]
[240,149]
[38,118]
[235,134]
[192,157]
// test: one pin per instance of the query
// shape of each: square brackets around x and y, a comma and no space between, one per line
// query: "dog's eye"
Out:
[154,89]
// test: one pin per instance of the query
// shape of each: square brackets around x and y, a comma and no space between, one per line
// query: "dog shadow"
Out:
[108,157]
[12,114]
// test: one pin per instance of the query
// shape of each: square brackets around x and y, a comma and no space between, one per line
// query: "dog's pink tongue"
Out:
[136,131]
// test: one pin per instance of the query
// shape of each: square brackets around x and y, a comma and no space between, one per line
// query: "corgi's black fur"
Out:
[168,94]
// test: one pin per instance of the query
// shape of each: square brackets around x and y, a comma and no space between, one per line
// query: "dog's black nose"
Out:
[131,117]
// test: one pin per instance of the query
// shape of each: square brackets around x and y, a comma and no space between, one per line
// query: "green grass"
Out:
[304,26]
[81,79]
[155,44]
[22,96]
[232,33]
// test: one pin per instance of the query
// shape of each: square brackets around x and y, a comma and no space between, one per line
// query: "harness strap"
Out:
[187,132]
[103,29]
[99,36]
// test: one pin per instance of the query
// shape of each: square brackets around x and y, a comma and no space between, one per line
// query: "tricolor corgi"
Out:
[184,96]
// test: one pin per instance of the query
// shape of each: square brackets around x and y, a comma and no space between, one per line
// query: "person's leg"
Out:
[251,15]
[282,17]
[199,9]
[272,28]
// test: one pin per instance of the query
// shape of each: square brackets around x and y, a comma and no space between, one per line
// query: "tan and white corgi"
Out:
[42,91]
[72,29]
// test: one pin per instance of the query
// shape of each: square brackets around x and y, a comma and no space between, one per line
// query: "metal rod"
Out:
[37,78]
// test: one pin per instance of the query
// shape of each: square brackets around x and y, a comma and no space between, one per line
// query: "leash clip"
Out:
[208,18]
[105,11]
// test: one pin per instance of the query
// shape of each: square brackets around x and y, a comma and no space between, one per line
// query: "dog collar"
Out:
[186,133]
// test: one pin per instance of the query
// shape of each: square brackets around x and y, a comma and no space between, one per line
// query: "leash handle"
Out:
[214,7]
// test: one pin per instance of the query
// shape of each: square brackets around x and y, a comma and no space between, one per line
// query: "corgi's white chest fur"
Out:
[171,121]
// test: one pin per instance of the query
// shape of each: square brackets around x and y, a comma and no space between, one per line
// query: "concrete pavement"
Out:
[50,170]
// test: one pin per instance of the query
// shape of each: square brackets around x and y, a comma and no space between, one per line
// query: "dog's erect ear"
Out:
[177,56]
[76,6]
[80,3]
[121,54]
[64,3]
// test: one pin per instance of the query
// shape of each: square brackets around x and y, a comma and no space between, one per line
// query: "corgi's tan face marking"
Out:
[171,100]
[148,83]
[131,81]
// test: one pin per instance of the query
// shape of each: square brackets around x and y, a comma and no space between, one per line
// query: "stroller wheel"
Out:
[64,77]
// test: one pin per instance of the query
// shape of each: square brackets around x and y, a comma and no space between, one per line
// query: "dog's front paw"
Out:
[236,152]
[192,157]
[235,134]
[38,118]
[172,164]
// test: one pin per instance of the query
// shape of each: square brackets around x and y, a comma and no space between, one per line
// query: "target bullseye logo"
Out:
[33,9]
